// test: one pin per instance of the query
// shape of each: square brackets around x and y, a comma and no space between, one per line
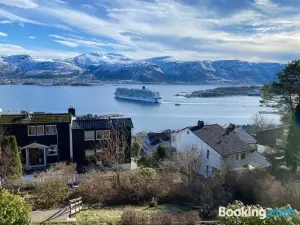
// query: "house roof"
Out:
[109,123]
[244,135]
[217,138]
[259,161]
[156,138]
[35,118]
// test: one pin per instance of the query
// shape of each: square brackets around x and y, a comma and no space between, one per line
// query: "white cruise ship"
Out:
[143,94]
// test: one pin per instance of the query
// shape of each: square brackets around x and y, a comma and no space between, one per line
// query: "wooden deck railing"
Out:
[75,206]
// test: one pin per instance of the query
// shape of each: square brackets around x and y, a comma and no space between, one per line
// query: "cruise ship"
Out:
[143,94]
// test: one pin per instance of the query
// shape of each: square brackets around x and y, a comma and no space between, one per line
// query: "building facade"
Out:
[47,138]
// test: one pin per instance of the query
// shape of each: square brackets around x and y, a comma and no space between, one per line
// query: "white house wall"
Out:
[185,139]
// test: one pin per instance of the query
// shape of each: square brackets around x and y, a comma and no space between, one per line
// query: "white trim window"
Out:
[40,130]
[52,150]
[50,130]
[89,154]
[89,135]
[31,130]
[102,134]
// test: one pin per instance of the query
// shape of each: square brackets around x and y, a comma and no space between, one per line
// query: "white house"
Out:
[217,146]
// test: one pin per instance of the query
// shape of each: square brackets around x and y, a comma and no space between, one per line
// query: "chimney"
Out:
[231,127]
[200,124]
[71,111]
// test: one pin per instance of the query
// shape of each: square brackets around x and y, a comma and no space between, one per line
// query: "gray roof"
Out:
[244,136]
[110,123]
[259,161]
[156,138]
[224,143]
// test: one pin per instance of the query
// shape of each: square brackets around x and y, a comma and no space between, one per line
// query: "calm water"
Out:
[154,117]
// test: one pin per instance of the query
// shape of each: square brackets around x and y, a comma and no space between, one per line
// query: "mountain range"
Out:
[112,66]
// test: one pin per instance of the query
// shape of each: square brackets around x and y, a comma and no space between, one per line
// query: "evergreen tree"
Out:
[135,150]
[10,161]
[292,154]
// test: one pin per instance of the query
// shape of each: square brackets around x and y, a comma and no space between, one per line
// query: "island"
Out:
[225,91]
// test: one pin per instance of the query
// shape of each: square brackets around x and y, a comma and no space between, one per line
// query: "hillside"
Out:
[112,66]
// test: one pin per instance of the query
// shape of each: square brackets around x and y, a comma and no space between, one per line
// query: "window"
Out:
[243,155]
[50,129]
[206,170]
[102,134]
[237,156]
[89,135]
[40,130]
[194,147]
[52,150]
[31,131]
[89,154]
[207,154]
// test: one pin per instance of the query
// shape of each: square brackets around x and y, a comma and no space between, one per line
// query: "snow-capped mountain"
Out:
[112,66]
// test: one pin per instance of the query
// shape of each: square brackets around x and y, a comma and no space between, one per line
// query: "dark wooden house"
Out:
[92,137]
[47,138]
[43,138]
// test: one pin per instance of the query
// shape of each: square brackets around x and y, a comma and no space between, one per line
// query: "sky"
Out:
[251,30]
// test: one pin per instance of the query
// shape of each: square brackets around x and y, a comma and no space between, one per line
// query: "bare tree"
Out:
[260,123]
[112,149]
[188,163]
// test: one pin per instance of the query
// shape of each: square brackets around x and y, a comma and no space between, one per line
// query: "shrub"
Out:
[135,150]
[65,169]
[133,217]
[13,209]
[10,161]
[282,220]
[96,188]
[148,173]
[50,193]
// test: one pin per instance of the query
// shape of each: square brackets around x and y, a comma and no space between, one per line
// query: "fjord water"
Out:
[146,117]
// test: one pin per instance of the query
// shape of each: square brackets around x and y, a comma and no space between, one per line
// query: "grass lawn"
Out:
[112,215]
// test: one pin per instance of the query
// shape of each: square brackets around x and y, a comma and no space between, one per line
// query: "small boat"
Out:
[177,104]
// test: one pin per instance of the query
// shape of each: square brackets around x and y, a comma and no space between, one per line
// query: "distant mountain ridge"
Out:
[113,66]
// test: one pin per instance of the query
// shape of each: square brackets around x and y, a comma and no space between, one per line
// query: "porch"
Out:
[34,156]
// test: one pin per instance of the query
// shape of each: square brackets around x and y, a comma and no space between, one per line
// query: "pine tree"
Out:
[292,154]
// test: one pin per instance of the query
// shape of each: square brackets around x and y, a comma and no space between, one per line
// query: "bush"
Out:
[50,193]
[134,217]
[65,169]
[10,161]
[283,220]
[13,209]
[96,188]
[135,150]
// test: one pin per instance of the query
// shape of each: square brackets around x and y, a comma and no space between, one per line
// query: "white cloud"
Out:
[264,30]
[32,37]
[3,34]
[76,41]
[87,6]
[67,43]
[20,3]
[5,22]
[15,18]
[10,49]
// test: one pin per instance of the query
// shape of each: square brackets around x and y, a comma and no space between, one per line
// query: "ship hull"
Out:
[148,100]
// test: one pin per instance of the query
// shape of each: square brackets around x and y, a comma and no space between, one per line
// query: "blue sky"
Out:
[253,30]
